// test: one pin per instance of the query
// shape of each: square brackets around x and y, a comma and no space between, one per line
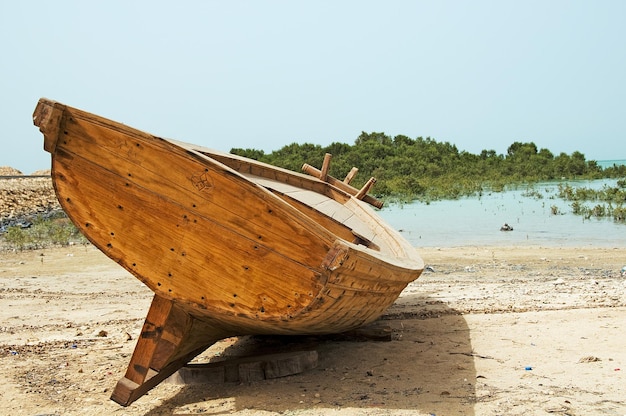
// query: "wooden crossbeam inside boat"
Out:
[313,171]
[351,175]
[365,189]
[325,166]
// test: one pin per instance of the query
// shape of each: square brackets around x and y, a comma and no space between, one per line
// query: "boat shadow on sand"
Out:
[427,367]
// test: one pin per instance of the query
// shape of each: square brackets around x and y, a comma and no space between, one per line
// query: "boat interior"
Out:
[326,205]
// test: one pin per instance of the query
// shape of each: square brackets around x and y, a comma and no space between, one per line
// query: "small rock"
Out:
[589,359]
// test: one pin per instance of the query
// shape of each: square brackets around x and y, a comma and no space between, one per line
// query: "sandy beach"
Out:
[485,331]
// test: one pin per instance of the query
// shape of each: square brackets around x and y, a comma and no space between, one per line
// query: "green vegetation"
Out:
[609,201]
[45,231]
[424,169]
[409,169]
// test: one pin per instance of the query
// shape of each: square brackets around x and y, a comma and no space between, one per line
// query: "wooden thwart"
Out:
[325,167]
[345,184]
[365,189]
[351,175]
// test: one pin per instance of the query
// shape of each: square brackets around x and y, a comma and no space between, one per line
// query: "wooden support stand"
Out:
[169,339]
[269,366]
[247,369]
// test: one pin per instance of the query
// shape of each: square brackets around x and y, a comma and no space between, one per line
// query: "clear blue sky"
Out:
[263,74]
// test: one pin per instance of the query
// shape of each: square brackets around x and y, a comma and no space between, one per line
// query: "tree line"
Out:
[426,169]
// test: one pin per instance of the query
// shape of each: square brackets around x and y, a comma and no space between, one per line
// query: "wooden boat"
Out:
[230,246]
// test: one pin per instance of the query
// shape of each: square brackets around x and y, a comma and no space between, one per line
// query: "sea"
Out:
[476,221]
[609,163]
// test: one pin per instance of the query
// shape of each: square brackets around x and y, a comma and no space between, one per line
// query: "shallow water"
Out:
[477,221]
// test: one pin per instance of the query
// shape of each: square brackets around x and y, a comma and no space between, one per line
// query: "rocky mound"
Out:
[42,172]
[9,171]
[25,196]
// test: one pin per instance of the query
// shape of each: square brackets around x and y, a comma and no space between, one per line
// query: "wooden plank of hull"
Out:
[137,214]
[180,255]
[196,183]
[226,254]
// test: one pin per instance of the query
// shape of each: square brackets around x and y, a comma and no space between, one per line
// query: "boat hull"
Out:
[225,254]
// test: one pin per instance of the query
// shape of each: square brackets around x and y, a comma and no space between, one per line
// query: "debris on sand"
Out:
[589,359]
